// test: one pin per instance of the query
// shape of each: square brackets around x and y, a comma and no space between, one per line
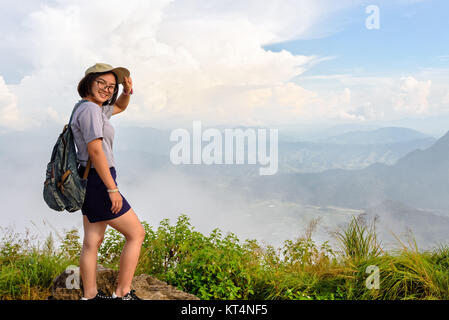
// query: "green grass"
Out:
[218,266]
[27,271]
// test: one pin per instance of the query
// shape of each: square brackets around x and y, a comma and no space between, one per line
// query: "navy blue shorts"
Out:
[97,204]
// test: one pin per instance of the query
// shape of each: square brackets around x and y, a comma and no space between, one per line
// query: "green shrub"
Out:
[219,266]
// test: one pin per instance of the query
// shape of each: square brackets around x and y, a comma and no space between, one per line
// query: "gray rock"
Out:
[146,286]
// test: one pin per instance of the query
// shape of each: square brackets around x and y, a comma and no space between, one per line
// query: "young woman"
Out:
[104,205]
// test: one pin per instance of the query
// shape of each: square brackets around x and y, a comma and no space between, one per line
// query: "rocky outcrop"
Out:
[68,286]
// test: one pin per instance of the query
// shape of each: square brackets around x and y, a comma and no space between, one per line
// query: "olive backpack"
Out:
[64,188]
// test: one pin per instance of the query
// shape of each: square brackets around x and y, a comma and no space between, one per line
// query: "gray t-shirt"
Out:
[89,122]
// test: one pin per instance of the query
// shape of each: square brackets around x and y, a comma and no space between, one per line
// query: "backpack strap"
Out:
[89,162]
[76,106]
[86,171]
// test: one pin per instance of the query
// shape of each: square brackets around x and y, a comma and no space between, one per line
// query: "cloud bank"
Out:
[189,61]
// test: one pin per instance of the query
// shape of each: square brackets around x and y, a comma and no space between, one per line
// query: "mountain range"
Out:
[420,179]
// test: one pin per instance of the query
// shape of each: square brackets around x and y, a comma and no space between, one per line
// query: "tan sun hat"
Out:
[120,72]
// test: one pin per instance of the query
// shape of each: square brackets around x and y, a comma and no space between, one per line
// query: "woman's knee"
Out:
[92,243]
[129,225]
[93,234]
[141,233]
[138,234]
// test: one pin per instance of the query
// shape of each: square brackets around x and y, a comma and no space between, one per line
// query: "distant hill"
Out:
[299,157]
[294,157]
[380,136]
[305,157]
[419,179]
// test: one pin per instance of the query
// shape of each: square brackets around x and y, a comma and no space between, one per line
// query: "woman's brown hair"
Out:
[85,86]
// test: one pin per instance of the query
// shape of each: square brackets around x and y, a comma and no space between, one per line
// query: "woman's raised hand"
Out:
[127,84]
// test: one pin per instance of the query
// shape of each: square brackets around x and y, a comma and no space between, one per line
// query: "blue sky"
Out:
[412,36]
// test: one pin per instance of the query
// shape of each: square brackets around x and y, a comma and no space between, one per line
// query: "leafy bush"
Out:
[219,266]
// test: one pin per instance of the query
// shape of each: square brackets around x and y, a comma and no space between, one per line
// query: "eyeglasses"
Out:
[103,86]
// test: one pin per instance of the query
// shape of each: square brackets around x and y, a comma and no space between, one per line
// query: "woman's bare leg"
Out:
[93,236]
[129,225]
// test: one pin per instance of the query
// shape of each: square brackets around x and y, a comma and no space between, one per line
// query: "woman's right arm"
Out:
[98,158]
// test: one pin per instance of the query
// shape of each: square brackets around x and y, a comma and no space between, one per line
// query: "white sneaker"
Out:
[129,296]
[99,296]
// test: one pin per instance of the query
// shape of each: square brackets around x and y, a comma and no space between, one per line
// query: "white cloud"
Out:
[276,20]
[10,117]
[380,98]
[412,96]
[188,60]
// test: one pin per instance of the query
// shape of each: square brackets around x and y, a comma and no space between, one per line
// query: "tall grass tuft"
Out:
[408,273]
[358,241]
[27,269]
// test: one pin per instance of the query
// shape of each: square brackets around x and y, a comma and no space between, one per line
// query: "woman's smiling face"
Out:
[103,87]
